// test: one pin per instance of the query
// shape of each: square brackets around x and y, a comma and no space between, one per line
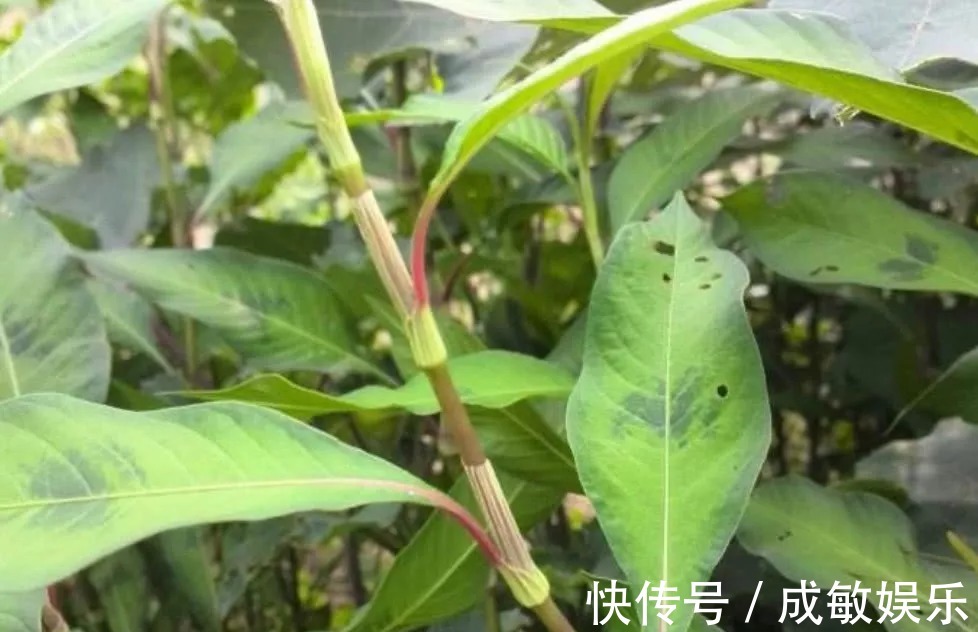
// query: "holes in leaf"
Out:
[666,277]
[663,248]
[722,390]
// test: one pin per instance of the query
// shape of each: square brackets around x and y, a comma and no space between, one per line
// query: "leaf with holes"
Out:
[669,422]
[815,534]
[278,315]
[650,172]
[51,333]
[97,479]
[822,228]
[73,43]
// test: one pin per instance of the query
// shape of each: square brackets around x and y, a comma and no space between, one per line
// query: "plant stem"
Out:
[167,145]
[585,185]
[455,416]
[552,617]
[528,583]
[407,170]
[52,620]
[589,206]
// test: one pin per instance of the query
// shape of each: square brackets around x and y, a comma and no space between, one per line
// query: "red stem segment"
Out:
[419,241]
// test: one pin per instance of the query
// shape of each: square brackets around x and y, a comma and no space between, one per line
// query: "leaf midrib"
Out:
[566,459]
[176,282]
[404,488]
[147,344]
[673,290]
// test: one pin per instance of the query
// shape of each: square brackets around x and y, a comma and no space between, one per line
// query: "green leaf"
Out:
[110,191]
[494,113]
[601,85]
[533,135]
[248,149]
[121,584]
[935,470]
[669,421]
[822,228]
[822,535]
[440,574]
[129,320]
[21,612]
[278,315]
[359,31]
[490,379]
[856,145]
[818,54]
[73,43]
[651,170]
[96,479]
[515,437]
[181,570]
[952,394]
[904,33]
[547,12]
[51,334]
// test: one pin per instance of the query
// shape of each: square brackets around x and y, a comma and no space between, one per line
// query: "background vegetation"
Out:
[171,232]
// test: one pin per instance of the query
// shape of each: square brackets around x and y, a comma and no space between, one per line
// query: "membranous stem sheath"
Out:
[511,557]
[383,251]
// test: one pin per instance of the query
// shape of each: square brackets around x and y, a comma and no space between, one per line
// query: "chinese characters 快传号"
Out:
[847,603]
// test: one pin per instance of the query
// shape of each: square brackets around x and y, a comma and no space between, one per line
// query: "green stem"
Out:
[585,185]
[167,144]
[508,553]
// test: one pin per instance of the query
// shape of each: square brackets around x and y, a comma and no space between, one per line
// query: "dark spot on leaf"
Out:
[903,269]
[646,411]
[784,536]
[716,277]
[663,248]
[921,249]
[831,268]
[705,286]
[666,277]
[701,259]
[816,271]
[722,390]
